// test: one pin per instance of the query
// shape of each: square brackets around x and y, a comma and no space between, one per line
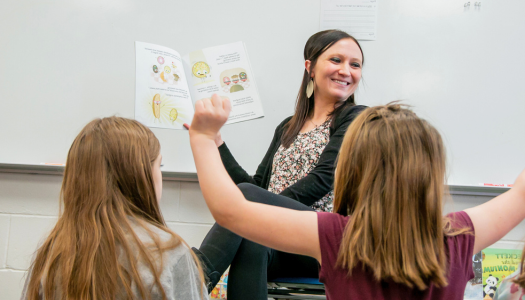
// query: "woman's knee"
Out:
[247,187]
[254,193]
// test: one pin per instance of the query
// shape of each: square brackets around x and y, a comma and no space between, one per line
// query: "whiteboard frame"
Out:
[192,177]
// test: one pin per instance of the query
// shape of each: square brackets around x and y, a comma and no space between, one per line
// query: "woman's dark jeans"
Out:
[253,265]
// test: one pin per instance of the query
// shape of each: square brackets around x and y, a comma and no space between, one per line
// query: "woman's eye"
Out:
[335,59]
[356,65]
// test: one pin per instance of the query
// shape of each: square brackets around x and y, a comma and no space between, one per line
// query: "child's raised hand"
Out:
[210,115]
[519,184]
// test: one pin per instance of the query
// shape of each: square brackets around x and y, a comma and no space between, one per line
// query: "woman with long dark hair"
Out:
[299,164]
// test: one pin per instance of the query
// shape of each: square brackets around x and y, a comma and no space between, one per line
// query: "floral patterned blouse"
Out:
[295,162]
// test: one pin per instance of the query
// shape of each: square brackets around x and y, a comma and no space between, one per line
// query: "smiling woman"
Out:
[338,69]
[339,65]
[299,164]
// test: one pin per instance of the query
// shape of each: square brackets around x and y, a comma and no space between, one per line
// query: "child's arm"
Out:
[495,218]
[278,228]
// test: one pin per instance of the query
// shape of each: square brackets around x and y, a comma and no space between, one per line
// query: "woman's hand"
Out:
[210,116]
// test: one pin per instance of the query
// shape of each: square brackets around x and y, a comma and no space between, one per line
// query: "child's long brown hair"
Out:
[520,279]
[107,186]
[390,179]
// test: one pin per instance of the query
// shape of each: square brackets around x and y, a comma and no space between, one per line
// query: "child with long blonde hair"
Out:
[111,241]
[387,237]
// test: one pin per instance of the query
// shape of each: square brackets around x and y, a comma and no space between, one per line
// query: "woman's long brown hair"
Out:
[390,179]
[304,106]
[107,186]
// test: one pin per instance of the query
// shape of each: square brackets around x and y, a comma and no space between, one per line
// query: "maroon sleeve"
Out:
[331,227]
[461,247]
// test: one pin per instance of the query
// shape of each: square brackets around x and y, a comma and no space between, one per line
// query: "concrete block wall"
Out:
[29,209]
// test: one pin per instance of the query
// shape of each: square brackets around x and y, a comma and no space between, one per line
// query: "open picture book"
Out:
[168,85]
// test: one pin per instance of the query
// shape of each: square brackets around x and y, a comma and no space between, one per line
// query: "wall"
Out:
[29,209]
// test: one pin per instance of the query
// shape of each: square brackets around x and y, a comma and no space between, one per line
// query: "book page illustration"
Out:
[168,73]
[162,96]
[200,68]
[225,70]
[160,109]
[234,80]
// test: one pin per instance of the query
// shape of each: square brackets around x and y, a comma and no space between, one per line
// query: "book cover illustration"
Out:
[497,265]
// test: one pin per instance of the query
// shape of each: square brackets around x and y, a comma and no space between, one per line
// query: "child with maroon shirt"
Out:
[363,285]
[387,238]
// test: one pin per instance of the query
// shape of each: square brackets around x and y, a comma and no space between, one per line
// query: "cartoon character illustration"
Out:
[163,76]
[173,65]
[155,69]
[201,70]
[176,77]
[158,109]
[243,76]
[236,87]
[156,105]
[490,288]
[234,80]
[160,59]
[173,114]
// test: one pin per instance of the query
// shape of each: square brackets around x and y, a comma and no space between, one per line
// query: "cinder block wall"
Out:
[29,209]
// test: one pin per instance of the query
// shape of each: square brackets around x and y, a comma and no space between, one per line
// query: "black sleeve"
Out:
[319,181]
[238,174]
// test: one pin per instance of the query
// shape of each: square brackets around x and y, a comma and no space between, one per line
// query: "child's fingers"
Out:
[208,106]
[199,106]
[226,105]
[216,101]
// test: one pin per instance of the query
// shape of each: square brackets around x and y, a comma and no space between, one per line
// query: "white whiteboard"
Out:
[462,69]
[63,63]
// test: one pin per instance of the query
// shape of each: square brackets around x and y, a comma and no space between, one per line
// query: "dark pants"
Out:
[252,265]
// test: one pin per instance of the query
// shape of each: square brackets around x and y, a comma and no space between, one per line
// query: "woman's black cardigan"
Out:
[313,186]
